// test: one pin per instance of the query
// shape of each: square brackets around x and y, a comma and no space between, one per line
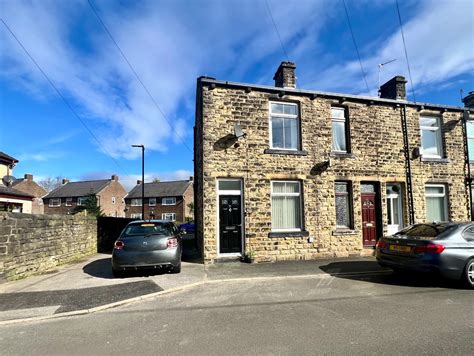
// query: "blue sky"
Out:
[171,43]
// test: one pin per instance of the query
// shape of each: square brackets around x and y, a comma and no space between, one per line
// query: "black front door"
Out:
[230,224]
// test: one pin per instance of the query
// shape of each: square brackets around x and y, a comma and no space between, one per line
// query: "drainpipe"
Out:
[467,162]
[406,143]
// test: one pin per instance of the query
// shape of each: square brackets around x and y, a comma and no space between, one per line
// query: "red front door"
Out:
[369,219]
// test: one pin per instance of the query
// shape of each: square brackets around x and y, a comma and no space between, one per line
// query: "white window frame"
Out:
[81,201]
[173,215]
[439,136]
[163,201]
[68,202]
[113,200]
[136,202]
[136,216]
[272,194]
[438,195]
[51,205]
[346,131]
[150,200]
[348,193]
[470,154]
[286,116]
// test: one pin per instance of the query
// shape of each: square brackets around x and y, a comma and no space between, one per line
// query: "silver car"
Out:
[446,248]
[147,244]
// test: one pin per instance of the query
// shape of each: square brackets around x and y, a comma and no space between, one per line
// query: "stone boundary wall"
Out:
[31,244]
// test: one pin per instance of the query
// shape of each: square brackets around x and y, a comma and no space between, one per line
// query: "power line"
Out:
[355,45]
[277,32]
[406,53]
[62,96]
[136,75]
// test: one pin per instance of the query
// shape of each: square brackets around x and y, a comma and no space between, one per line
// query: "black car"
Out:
[446,248]
[147,244]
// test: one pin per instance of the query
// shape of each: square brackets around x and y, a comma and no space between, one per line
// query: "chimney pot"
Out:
[285,75]
[64,181]
[29,177]
[191,179]
[468,100]
[139,182]
[115,177]
[394,89]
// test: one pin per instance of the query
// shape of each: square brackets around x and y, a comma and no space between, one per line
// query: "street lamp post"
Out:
[143,179]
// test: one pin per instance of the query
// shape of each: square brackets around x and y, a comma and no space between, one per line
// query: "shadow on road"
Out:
[370,271]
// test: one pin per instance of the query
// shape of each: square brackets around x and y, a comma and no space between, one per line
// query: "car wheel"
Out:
[118,273]
[469,273]
[176,269]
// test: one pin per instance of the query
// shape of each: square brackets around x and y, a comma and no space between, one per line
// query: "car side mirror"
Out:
[182,231]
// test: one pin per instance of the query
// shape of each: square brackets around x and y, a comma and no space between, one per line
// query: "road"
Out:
[358,314]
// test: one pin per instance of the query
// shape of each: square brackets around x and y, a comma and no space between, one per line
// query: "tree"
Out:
[156,180]
[50,183]
[90,206]
[191,207]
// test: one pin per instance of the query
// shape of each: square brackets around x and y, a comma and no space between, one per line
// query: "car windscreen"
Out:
[149,229]
[427,231]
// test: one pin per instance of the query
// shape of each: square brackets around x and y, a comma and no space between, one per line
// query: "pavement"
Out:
[89,286]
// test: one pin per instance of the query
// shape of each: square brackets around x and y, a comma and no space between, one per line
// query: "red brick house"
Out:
[109,193]
[163,200]
[29,186]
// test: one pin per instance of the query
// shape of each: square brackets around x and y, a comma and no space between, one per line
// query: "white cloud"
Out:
[440,46]
[40,156]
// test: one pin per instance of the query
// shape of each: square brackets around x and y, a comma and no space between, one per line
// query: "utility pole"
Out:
[143,179]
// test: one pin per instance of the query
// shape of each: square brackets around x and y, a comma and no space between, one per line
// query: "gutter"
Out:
[467,163]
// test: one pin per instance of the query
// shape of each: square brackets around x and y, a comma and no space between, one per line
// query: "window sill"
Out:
[435,160]
[285,152]
[342,155]
[344,232]
[288,234]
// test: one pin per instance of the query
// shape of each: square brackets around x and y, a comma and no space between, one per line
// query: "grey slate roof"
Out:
[78,189]
[13,192]
[6,158]
[160,189]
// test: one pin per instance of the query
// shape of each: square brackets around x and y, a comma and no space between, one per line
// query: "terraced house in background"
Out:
[173,201]
[287,174]
[69,196]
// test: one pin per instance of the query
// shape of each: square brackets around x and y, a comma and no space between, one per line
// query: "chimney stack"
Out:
[285,75]
[139,182]
[115,178]
[468,100]
[191,179]
[394,89]
[64,181]
[29,177]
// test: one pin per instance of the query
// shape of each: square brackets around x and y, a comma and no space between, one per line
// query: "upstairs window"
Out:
[431,140]
[470,139]
[152,202]
[168,201]
[284,126]
[113,200]
[68,201]
[339,130]
[136,202]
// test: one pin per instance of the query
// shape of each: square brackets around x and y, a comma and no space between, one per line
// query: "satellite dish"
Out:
[8,180]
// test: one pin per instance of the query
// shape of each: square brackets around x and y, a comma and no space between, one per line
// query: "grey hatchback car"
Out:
[147,244]
[446,248]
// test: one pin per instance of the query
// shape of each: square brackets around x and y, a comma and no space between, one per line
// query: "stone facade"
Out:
[377,155]
[32,244]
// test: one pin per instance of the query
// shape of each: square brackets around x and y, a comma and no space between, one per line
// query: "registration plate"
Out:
[398,248]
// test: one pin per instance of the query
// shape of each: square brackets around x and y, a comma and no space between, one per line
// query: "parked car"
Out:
[189,227]
[446,248]
[147,244]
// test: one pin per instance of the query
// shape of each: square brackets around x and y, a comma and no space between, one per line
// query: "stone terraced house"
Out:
[290,174]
